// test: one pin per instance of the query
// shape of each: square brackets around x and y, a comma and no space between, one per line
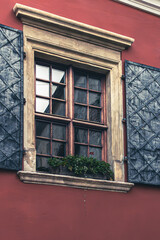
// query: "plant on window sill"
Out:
[81,167]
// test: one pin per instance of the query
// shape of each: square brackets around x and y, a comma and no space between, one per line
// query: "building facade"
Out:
[79,78]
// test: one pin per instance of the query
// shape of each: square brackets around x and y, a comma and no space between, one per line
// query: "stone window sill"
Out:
[75,182]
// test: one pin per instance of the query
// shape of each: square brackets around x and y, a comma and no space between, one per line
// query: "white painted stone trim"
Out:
[75,182]
[151,6]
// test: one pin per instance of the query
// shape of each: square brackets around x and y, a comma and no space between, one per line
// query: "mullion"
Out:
[50,89]
[87,97]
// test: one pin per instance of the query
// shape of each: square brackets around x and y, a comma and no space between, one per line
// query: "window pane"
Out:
[41,162]
[94,84]
[43,146]
[80,80]
[94,114]
[80,96]
[59,132]
[81,135]
[95,153]
[42,129]
[58,108]
[42,88]
[95,138]
[95,99]
[58,76]
[81,150]
[58,92]
[80,112]
[42,72]
[42,105]
[58,149]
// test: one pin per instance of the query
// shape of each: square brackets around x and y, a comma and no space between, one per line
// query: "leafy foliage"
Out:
[82,166]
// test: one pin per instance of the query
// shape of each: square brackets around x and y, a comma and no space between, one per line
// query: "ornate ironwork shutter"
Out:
[11,98]
[143,123]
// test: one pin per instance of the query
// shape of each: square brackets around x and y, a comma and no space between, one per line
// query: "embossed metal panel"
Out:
[143,123]
[11,98]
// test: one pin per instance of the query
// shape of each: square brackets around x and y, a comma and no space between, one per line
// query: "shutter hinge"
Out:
[24,101]
[24,55]
[125,159]
[24,152]
[124,120]
[123,77]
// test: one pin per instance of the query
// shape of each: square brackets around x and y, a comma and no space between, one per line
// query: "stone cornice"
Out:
[51,22]
[151,6]
[75,182]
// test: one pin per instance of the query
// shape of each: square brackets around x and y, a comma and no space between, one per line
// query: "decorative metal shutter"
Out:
[11,98]
[143,123]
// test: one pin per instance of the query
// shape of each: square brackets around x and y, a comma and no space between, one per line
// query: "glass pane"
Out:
[42,72]
[42,88]
[58,92]
[94,84]
[81,135]
[95,153]
[42,105]
[95,138]
[43,146]
[80,96]
[58,149]
[80,80]
[59,132]
[58,108]
[42,129]
[58,75]
[94,114]
[81,150]
[80,112]
[95,99]
[42,163]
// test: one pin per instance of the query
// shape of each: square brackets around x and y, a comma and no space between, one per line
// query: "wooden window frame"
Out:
[69,109]
[69,42]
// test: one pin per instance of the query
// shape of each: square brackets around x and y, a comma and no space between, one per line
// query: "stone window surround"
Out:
[59,39]
[150,6]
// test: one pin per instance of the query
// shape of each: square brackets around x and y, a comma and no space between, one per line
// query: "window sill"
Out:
[75,182]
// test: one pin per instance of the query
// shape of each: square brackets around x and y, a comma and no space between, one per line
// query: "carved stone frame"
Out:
[67,41]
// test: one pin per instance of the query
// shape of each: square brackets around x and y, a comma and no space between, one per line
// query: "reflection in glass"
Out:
[42,105]
[95,99]
[80,112]
[41,162]
[80,135]
[58,92]
[42,72]
[42,88]
[43,146]
[58,76]
[59,132]
[80,80]
[94,84]
[80,96]
[94,114]
[42,129]
[81,150]
[58,149]
[95,138]
[58,108]
[95,153]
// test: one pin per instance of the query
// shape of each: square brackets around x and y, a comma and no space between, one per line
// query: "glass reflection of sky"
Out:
[58,75]
[42,72]
[42,105]
[42,88]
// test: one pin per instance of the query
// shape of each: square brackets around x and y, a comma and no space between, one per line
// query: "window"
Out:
[75,47]
[70,112]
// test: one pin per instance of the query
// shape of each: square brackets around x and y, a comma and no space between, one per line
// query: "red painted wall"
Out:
[37,212]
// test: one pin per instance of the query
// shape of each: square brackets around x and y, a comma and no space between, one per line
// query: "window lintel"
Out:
[54,23]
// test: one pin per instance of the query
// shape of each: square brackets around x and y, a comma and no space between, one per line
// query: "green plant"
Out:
[83,166]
